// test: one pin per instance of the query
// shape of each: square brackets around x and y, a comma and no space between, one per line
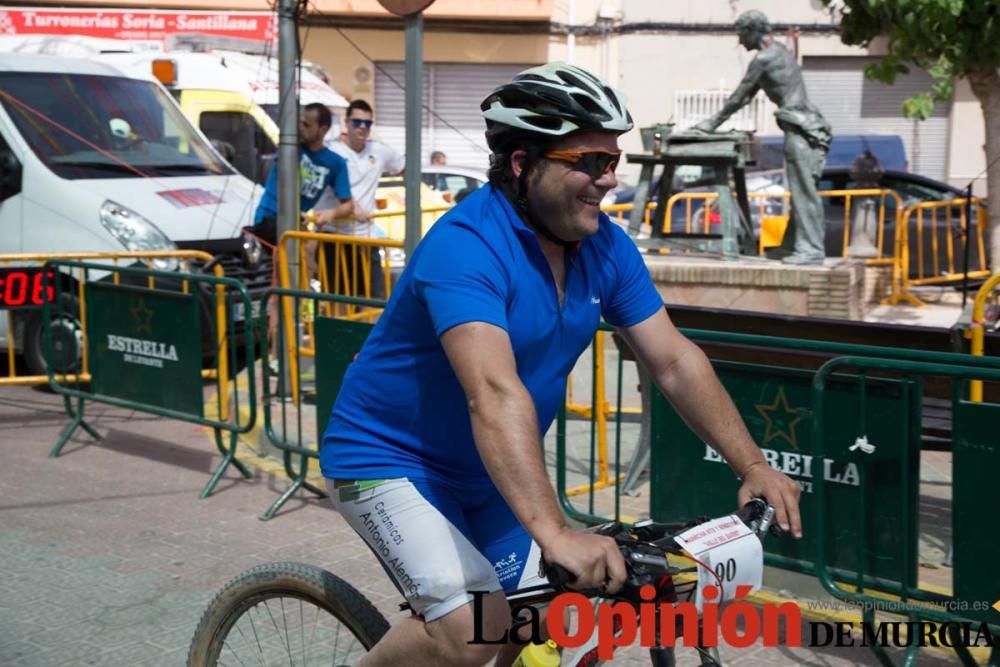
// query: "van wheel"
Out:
[67,338]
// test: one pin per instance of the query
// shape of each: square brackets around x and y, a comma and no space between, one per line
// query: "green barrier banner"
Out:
[337,342]
[975,466]
[690,479]
[145,346]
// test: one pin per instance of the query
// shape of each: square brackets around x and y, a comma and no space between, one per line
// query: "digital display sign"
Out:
[25,287]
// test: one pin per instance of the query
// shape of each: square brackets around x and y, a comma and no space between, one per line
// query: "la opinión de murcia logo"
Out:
[738,623]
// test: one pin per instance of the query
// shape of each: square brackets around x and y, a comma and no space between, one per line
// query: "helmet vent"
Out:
[543,122]
[588,103]
[577,82]
[614,99]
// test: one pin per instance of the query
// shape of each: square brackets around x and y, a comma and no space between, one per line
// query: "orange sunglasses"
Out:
[595,162]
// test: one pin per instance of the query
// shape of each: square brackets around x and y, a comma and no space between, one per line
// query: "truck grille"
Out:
[229,254]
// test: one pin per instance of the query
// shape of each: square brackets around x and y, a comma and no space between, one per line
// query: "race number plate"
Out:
[732,551]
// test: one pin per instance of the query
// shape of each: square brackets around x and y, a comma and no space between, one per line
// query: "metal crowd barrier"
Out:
[977,330]
[394,221]
[601,415]
[618,213]
[928,230]
[698,218]
[350,276]
[143,348]
[975,550]
[859,472]
[296,399]
[32,262]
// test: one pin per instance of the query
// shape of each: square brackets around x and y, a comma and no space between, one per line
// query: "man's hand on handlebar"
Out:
[762,481]
[594,560]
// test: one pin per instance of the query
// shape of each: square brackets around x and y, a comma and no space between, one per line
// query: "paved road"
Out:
[109,557]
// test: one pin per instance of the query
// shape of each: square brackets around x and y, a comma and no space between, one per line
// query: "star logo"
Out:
[996,605]
[143,317]
[780,420]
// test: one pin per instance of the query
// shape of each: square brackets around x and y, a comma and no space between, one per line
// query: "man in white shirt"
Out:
[367,160]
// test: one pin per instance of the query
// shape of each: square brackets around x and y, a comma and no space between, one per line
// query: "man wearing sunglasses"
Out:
[436,435]
[367,160]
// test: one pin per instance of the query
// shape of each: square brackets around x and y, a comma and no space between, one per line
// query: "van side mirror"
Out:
[226,149]
[10,174]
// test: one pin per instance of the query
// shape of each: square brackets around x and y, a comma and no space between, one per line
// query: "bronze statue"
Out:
[807,134]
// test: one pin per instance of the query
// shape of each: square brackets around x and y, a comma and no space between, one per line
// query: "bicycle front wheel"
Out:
[287,614]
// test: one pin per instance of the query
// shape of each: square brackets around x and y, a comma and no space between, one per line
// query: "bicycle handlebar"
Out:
[645,544]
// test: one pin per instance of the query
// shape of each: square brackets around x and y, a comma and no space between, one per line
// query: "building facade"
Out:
[676,60]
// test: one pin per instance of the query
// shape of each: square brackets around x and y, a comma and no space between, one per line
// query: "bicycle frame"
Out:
[243,603]
[635,544]
[586,655]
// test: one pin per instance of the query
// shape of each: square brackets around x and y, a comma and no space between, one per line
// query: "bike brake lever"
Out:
[765,522]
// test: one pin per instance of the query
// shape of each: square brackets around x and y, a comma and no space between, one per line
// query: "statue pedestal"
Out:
[836,289]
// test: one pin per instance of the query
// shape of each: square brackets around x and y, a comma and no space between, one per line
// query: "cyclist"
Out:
[433,452]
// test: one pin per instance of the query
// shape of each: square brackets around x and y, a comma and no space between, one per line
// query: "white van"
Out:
[92,159]
[230,96]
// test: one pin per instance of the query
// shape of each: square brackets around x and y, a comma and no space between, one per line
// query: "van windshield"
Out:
[89,126]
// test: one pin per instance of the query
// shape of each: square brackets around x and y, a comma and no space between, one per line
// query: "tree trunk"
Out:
[986,86]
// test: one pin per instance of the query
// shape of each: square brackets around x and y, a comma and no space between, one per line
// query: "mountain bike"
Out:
[291,613]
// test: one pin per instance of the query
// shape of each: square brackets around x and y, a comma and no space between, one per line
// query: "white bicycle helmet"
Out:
[553,99]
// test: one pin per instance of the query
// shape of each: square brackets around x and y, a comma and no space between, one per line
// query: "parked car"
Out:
[390,197]
[454,183]
[844,148]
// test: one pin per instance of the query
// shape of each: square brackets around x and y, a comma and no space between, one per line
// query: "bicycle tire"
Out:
[280,581]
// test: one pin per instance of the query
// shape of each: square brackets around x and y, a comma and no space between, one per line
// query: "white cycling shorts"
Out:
[439,543]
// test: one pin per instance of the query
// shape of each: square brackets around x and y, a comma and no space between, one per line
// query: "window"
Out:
[694,106]
[253,149]
[89,126]
[454,183]
[10,171]
[914,193]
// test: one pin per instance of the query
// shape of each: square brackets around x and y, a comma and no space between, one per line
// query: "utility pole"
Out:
[288,130]
[414,109]
[411,10]
[288,167]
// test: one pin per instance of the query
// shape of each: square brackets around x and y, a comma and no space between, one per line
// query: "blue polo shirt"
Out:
[401,411]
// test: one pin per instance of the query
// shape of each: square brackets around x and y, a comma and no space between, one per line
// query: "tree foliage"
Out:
[947,38]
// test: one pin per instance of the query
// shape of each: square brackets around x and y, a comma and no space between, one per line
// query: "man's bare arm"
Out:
[505,428]
[741,96]
[343,210]
[683,373]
